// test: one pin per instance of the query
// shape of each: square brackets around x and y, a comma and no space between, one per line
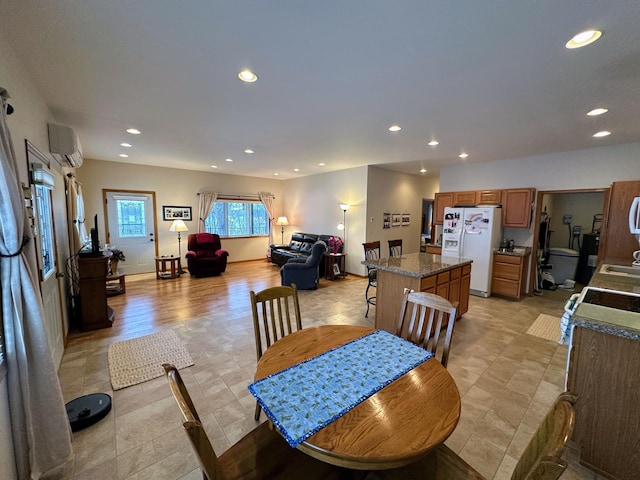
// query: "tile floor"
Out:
[507,380]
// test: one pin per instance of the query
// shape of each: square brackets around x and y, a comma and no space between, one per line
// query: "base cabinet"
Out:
[603,372]
[508,278]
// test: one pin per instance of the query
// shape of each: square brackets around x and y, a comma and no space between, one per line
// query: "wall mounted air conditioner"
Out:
[65,145]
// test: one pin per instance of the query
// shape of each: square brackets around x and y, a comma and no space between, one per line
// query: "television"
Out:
[93,249]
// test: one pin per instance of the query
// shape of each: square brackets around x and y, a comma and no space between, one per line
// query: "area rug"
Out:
[546,326]
[140,359]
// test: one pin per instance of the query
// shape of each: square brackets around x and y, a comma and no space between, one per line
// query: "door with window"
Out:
[44,183]
[131,227]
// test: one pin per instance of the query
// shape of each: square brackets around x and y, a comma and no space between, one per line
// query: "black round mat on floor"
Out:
[87,410]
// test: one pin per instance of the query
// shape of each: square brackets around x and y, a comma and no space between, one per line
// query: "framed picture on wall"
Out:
[386,220]
[396,220]
[170,213]
[406,219]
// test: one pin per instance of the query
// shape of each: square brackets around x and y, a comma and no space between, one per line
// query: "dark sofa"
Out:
[299,247]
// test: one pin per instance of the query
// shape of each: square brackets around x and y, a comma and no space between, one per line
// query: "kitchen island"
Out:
[448,277]
[604,361]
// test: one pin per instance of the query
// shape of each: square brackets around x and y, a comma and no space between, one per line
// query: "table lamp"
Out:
[282,221]
[179,226]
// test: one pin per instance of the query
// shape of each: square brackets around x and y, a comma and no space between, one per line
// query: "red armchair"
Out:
[205,257]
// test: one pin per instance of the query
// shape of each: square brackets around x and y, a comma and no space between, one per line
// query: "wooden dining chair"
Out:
[276,313]
[371,252]
[541,460]
[395,248]
[260,454]
[422,317]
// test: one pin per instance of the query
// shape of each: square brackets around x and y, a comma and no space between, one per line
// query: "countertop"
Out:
[417,264]
[517,252]
[613,321]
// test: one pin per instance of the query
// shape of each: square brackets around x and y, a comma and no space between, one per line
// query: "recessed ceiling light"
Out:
[123,155]
[276,174]
[228,159]
[395,128]
[321,164]
[126,145]
[214,166]
[247,76]
[423,170]
[296,169]
[597,111]
[603,133]
[248,150]
[584,38]
[463,155]
[133,131]
[433,143]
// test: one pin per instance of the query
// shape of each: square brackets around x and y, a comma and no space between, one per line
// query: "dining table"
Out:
[402,421]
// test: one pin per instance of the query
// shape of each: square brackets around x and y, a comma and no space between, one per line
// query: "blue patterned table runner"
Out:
[306,397]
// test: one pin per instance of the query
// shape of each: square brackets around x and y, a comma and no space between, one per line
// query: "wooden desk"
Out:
[394,427]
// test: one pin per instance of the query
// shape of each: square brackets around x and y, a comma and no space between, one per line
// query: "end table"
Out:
[334,265]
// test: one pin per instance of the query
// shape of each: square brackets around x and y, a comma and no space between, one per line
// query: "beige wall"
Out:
[581,206]
[175,187]
[312,204]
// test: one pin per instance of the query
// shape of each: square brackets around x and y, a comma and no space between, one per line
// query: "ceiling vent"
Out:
[65,145]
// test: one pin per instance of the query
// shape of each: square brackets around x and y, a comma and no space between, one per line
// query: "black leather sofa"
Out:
[299,247]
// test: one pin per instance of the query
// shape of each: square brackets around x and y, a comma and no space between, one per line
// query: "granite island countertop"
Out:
[614,321]
[417,264]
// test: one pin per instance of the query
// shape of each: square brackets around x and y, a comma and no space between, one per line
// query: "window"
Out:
[131,218]
[45,217]
[233,218]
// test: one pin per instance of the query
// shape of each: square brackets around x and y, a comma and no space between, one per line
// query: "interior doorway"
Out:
[427,228]
[566,219]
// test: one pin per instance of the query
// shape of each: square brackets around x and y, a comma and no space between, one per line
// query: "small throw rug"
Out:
[140,359]
[546,326]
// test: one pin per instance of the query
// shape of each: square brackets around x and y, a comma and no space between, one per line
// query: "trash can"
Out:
[565,263]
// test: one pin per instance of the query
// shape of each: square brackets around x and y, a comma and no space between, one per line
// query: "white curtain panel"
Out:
[205,205]
[267,200]
[39,422]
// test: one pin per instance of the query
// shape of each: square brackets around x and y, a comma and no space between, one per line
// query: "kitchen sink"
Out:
[612,299]
[620,270]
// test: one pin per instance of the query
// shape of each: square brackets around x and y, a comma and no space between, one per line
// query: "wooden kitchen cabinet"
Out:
[467,199]
[435,250]
[617,244]
[465,289]
[442,200]
[489,197]
[517,207]
[603,373]
[508,278]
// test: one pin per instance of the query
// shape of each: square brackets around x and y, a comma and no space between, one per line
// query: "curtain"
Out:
[267,201]
[207,199]
[39,421]
[75,214]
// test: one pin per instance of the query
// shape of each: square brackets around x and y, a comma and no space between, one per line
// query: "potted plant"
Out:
[115,255]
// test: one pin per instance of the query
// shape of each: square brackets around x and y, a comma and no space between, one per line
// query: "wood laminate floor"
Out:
[507,379]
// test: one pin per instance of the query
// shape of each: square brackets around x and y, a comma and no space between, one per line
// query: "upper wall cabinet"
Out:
[489,197]
[517,207]
[442,200]
[465,198]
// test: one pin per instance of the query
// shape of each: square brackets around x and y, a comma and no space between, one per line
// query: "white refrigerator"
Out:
[473,233]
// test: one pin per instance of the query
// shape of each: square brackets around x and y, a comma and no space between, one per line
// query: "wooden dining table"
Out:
[395,426]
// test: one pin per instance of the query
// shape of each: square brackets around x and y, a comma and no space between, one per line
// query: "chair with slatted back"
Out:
[422,317]
[371,252]
[395,248]
[276,313]
[262,453]
[541,460]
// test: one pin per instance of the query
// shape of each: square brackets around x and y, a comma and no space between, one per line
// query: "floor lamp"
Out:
[343,225]
[179,226]
[282,221]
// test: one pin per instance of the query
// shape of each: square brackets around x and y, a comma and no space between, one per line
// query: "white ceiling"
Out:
[491,78]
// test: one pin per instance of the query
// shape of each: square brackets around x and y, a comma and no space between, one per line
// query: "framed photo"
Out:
[336,269]
[170,213]
[396,220]
[406,219]
[386,220]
